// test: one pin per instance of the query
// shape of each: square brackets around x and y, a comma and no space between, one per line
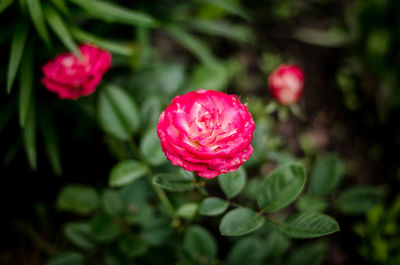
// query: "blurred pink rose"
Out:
[207,132]
[286,84]
[72,77]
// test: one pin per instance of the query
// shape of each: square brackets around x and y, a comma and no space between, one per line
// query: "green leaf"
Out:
[132,246]
[213,206]
[174,182]
[200,244]
[77,198]
[67,258]
[112,203]
[310,203]
[17,48]
[276,244]
[247,251]
[209,76]
[188,210]
[61,30]
[104,228]
[157,231]
[240,221]
[232,183]
[111,12]
[311,254]
[150,147]
[51,141]
[150,111]
[36,13]
[326,174]
[29,135]
[281,187]
[223,28]
[333,37]
[118,113]
[4,4]
[61,5]
[309,225]
[191,43]
[358,200]
[80,235]
[118,47]
[230,7]
[25,86]
[126,172]
[161,80]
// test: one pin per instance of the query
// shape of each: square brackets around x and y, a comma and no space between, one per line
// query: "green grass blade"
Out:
[61,30]
[36,13]
[25,86]
[17,49]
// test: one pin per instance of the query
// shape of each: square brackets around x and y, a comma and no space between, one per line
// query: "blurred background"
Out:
[348,51]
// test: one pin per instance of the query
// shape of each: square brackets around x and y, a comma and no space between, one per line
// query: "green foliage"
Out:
[79,234]
[209,76]
[26,84]
[358,200]
[188,210]
[326,174]
[104,228]
[132,246]
[150,148]
[77,198]
[117,112]
[150,212]
[240,221]
[174,182]
[17,48]
[111,12]
[112,203]
[36,13]
[191,43]
[60,29]
[246,251]
[126,172]
[281,187]
[309,225]
[311,254]
[232,183]
[29,135]
[380,232]
[68,258]
[4,4]
[307,202]
[213,206]
[200,245]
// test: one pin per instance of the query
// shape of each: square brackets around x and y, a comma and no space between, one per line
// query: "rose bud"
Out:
[207,132]
[286,84]
[72,77]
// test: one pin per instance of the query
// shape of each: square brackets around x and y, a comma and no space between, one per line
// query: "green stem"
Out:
[166,202]
[160,192]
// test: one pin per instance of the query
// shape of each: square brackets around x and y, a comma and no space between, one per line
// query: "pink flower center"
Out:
[207,127]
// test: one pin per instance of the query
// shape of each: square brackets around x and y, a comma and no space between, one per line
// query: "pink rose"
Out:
[286,84]
[72,77]
[207,132]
